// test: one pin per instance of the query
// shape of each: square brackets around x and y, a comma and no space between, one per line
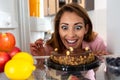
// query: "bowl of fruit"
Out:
[113,67]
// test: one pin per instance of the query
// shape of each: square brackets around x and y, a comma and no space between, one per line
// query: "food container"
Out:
[46,69]
[112,67]
[54,74]
[64,72]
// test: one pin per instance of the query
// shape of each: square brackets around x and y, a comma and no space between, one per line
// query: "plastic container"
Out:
[112,67]
[48,70]
[54,74]
[64,72]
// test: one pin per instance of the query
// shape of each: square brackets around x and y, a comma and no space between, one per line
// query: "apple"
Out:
[4,57]
[7,41]
[14,51]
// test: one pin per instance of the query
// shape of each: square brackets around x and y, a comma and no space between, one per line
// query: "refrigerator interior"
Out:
[18,21]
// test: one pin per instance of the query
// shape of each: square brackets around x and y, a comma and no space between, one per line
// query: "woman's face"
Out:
[72,29]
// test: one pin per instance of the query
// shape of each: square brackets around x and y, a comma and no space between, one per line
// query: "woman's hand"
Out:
[100,54]
[37,48]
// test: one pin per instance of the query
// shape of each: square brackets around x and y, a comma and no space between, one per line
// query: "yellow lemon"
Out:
[18,69]
[24,55]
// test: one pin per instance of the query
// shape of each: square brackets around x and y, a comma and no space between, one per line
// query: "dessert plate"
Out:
[96,63]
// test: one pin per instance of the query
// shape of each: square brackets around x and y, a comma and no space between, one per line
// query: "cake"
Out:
[73,57]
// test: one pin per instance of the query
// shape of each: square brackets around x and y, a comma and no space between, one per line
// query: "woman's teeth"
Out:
[71,41]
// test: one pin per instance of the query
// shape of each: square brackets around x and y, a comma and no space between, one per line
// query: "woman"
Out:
[73,28]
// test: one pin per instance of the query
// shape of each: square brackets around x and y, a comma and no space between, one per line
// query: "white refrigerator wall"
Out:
[113,26]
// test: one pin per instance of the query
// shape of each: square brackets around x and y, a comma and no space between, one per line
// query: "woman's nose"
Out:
[71,33]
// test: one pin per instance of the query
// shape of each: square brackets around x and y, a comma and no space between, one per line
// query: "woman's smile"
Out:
[71,42]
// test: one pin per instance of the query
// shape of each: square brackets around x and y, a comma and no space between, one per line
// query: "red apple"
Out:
[14,51]
[7,41]
[4,57]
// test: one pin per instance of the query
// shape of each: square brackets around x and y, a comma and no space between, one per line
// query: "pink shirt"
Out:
[96,45]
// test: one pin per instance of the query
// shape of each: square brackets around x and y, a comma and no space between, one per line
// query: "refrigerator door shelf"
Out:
[40,24]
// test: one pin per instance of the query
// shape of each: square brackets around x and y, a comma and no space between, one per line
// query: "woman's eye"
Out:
[64,27]
[78,27]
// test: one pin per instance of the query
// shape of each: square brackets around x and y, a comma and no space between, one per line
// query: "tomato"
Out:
[14,51]
[72,77]
[7,41]
[4,58]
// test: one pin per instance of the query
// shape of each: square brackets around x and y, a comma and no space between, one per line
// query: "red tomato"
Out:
[4,57]
[7,41]
[14,51]
[72,77]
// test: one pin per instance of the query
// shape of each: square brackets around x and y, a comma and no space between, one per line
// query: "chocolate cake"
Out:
[73,57]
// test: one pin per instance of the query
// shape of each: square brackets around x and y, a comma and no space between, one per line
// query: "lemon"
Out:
[24,55]
[17,69]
